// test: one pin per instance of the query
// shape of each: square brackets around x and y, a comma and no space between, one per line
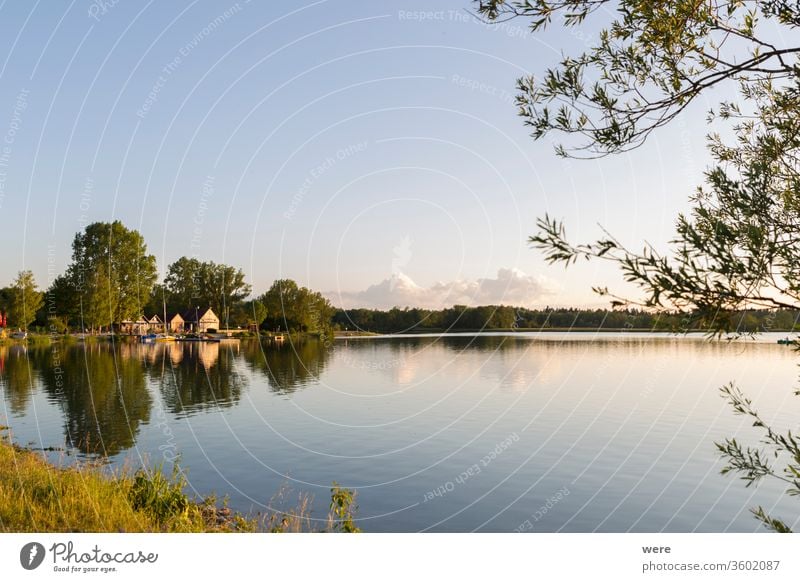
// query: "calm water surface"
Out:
[577,432]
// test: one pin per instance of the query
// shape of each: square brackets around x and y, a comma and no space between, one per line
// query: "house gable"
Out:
[209,316]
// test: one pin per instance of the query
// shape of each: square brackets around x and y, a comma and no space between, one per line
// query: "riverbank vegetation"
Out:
[36,496]
[503,317]
[305,313]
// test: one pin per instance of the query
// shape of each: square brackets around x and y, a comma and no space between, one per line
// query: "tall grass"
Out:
[340,518]
[36,496]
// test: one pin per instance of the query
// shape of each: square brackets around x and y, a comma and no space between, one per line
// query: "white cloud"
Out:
[509,287]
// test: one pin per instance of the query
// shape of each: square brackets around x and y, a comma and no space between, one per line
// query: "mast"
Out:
[164,304]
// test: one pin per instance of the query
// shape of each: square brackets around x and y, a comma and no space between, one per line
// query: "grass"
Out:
[36,496]
[298,519]
[33,339]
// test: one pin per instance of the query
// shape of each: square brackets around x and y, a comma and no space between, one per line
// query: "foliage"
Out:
[458,317]
[503,317]
[99,301]
[157,302]
[342,510]
[256,312]
[755,464]
[191,282]
[291,307]
[112,279]
[63,303]
[56,324]
[738,249]
[181,284]
[161,497]
[648,64]
[110,276]
[340,519]
[21,300]
[5,300]
[36,496]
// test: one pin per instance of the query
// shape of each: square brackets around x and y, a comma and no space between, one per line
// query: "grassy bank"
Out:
[37,339]
[36,496]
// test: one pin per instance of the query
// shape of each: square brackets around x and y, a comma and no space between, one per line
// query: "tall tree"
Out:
[158,301]
[227,288]
[190,282]
[99,301]
[108,258]
[294,308]
[281,301]
[256,312]
[23,300]
[62,303]
[182,284]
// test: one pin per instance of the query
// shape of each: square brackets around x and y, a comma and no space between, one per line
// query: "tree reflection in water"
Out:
[288,366]
[106,390]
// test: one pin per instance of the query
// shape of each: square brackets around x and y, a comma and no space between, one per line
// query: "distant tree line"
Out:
[497,317]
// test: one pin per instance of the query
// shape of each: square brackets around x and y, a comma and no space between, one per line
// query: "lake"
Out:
[549,432]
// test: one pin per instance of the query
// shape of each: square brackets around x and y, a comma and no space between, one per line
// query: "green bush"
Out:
[342,510]
[162,498]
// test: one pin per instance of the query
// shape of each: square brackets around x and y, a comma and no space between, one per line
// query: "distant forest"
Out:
[501,317]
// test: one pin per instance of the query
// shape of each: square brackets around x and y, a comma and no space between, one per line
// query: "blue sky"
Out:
[368,150]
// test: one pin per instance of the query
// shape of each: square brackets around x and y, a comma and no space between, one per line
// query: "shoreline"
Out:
[549,330]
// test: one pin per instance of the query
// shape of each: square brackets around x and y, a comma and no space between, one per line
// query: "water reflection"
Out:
[195,376]
[289,366]
[18,376]
[101,391]
[105,391]
[628,423]
[407,345]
